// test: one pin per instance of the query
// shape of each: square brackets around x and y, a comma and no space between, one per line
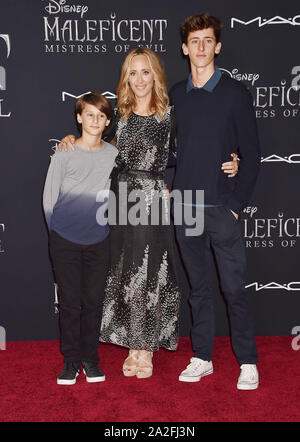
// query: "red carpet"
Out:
[29,392]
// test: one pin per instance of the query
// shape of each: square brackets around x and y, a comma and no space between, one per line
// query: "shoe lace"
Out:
[195,363]
[248,371]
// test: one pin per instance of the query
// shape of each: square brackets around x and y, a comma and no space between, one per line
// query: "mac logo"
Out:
[277,20]
[107,94]
[291,286]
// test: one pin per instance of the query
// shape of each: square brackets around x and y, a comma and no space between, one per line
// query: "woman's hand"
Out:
[66,143]
[231,167]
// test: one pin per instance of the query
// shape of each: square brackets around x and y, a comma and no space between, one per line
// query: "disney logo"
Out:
[250,210]
[241,77]
[54,7]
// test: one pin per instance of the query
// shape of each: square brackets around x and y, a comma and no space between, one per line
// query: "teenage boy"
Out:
[215,117]
[79,245]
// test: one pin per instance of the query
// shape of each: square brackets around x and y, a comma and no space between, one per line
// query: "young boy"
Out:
[79,245]
[215,117]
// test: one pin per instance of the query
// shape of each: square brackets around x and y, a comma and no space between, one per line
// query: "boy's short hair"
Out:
[97,100]
[198,22]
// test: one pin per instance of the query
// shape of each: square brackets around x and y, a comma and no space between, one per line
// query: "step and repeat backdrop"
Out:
[53,51]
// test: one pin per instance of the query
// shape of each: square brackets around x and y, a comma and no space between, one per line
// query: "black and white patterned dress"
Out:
[141,305]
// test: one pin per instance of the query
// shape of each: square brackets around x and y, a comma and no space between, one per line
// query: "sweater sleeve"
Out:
[248,150]
[53,184]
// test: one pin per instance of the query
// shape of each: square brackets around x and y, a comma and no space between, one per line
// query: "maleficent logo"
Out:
[2,229]
[261,231]
[68,30]
[280,99]
[6,39]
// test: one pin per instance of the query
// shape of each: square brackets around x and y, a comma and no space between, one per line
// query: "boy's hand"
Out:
[166,193]
[66,143]
[231,167]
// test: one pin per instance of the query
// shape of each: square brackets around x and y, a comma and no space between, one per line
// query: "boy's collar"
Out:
[209,85]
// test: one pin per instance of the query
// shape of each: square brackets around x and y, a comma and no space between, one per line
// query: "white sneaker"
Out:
[248,379]
[196,370]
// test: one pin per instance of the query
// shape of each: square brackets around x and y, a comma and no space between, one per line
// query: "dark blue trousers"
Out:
[224,234]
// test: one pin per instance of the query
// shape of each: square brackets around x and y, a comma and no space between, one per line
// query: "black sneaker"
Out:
[92,372]
[69,374]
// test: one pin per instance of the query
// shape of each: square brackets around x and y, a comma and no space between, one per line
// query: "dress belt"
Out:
[144,173]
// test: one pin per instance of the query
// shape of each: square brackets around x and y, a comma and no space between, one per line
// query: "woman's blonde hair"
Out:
[126,98]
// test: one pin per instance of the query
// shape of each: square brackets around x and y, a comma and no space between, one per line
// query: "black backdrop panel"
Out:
[51,52]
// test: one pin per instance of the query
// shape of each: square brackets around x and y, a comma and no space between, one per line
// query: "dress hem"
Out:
[135,348]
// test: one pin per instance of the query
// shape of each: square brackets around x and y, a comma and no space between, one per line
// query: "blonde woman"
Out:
[142,298]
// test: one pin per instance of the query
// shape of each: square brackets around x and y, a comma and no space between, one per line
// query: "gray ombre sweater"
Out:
[75,193]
